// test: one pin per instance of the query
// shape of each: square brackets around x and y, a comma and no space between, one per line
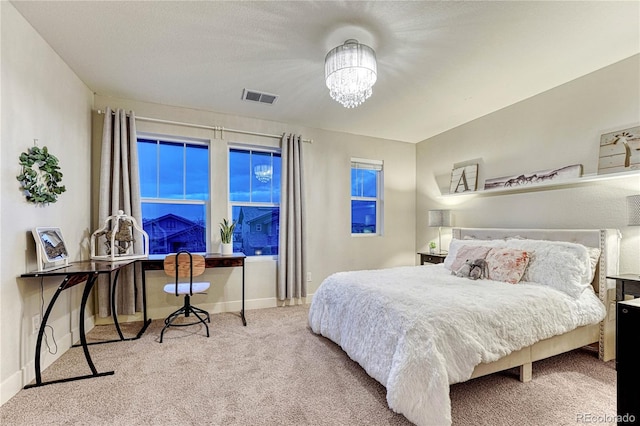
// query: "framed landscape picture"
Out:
[536,178]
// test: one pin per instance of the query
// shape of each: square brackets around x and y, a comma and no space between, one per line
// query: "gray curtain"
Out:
[120,190]
[292,268]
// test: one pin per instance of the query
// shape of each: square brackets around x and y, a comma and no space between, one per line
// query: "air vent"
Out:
[265,98]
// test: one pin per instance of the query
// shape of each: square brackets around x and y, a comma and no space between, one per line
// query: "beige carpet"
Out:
[276,371]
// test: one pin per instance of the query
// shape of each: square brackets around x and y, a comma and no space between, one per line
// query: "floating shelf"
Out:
[549,185]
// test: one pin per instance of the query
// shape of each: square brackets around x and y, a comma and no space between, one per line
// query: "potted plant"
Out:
[432,247]
[226,236]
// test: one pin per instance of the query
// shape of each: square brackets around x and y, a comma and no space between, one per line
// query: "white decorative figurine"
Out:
[120,233]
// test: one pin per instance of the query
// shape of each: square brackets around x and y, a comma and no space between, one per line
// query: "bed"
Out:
[419,329]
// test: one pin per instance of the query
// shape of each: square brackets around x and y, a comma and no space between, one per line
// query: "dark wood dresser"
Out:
[627,365]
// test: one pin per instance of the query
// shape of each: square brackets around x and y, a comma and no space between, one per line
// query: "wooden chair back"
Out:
[183,261]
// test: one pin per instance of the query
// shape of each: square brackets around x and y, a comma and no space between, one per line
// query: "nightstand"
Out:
[626,284]
[432,257]
[628,374]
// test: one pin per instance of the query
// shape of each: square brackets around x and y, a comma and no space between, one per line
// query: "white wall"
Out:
[556,128]
[331,247]
[41,99]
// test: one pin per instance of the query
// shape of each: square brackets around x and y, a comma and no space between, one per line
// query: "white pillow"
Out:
[562,265]
[456,244]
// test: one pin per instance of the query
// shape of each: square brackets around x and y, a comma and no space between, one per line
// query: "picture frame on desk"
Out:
[51,251]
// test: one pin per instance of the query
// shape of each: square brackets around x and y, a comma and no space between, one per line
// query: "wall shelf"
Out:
[545,186]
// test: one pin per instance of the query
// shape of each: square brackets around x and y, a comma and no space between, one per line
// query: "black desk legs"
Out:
[43,326]
[146,321]
[244,321]
[114,310]
[83,338]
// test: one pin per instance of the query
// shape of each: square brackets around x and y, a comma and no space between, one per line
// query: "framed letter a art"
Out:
[464,179]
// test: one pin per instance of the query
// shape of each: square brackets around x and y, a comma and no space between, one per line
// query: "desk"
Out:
[212,260]
[87,271]
[73,274]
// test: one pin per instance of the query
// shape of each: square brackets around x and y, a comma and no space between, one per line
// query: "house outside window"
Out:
[254,197]
[174,187]
[366,197]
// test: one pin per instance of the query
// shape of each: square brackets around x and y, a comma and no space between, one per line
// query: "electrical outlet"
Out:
[35,323]
[308,276]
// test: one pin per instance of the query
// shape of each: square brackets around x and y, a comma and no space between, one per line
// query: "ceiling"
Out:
[440,64]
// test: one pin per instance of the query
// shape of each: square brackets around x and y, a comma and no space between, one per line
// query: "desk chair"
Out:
[185,265]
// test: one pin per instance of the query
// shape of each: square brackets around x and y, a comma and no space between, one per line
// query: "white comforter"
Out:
[419,329]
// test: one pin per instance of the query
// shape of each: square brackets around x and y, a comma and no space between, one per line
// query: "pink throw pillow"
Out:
[507,264]
[469,253]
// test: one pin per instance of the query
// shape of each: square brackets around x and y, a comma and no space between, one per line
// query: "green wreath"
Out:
[42,185]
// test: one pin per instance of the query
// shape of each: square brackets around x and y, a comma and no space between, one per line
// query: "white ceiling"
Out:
[440,64]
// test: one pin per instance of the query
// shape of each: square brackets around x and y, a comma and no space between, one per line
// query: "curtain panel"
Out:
[292,265]
[120,190]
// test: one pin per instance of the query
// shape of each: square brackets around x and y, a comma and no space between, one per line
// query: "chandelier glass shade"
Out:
[263,172]
[350,72]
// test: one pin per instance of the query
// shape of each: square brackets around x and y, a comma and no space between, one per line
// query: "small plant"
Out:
[432,245]
[226,231]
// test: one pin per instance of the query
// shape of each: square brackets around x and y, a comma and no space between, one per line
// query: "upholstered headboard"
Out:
[607,240]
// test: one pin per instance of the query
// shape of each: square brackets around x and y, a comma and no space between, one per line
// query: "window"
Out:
[174,187]
[366,196]
[254,196]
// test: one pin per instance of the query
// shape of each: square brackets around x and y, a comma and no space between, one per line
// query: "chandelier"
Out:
[350,71]
[263,172]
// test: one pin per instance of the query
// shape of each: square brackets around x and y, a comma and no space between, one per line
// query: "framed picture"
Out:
[619,151]
[50,248]
[542,176]
[464,179]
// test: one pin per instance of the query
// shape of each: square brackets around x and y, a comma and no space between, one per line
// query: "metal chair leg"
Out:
[186,310]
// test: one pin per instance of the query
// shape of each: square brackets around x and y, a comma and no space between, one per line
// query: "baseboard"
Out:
[232,306]
[10,387]
[89,323]
[216,308]
[14,384]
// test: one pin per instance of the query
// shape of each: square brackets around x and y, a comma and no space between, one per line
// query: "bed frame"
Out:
[602,334]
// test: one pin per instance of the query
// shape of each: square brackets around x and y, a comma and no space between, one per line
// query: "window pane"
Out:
[257,229]
[171,164]
[363,217]
[197,170]
[239,175]
[147,157]
[262,177]
[369,183]
[364,182]
[174,227]
[356,184]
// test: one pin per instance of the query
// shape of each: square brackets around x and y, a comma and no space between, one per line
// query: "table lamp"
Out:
[439,218]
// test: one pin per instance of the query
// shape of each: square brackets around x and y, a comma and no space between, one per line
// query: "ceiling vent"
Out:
[265,98]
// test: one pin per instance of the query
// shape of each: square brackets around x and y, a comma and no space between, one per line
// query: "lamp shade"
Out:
[633,210]
[439,218]
[350,72]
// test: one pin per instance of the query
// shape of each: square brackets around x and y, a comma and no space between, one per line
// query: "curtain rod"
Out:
[220,129]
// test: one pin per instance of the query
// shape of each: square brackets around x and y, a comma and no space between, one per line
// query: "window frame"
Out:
[369,164]
[232,204]
[185,141]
